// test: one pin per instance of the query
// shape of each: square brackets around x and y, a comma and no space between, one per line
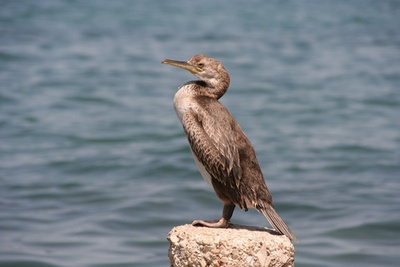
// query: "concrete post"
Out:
[235,246]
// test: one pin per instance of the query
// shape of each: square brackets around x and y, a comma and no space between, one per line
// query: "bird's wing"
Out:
[215,147]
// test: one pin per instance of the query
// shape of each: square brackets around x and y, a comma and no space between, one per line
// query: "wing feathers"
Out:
[214,149]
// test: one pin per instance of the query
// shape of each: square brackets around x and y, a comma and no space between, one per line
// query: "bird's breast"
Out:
[183,101]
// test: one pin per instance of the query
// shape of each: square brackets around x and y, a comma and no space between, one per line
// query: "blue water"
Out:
[94,166]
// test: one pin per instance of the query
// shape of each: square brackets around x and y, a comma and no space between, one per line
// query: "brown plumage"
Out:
[222,152]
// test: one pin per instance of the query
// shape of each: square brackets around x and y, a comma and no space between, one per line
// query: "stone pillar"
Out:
[238,245]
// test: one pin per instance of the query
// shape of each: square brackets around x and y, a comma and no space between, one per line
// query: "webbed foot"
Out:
[222,223]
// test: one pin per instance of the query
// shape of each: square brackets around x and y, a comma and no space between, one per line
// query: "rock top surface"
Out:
[235,246]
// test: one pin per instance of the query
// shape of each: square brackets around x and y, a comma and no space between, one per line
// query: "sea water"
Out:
[94,165]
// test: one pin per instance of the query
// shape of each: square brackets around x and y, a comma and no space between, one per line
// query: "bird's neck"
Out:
[214,87]
[201,88]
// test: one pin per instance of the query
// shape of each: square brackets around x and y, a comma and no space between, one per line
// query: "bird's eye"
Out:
[200,65]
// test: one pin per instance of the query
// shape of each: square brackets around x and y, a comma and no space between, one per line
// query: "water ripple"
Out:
[94,165]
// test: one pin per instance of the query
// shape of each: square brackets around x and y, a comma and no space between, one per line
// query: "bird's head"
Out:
[207,69]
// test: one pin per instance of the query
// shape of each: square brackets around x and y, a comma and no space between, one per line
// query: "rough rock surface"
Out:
[234,246]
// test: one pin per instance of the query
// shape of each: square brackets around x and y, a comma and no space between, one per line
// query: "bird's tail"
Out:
[276,221]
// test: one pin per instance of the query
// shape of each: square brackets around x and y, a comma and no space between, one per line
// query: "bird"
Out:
[221,150]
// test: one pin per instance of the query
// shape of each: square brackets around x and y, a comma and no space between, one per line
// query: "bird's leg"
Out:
[223,222]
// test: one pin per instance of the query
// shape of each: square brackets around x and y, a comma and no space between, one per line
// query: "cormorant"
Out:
[222,152]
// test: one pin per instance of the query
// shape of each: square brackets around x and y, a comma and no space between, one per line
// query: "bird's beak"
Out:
[181,64]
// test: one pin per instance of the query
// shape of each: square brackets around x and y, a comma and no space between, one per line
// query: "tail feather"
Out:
[276,221]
